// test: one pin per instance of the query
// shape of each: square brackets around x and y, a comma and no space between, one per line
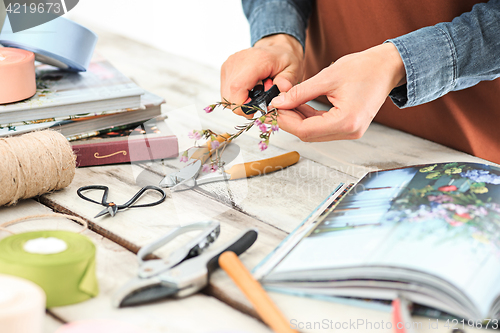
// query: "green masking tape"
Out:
[67,277]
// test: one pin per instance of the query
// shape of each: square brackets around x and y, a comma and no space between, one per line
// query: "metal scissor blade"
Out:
[148,295]
[102,212]
[263,106]
[190,171]
[184,185]
[111,210]
[168,181]
[228,155]
[142,291]
[208,178]
[216,176]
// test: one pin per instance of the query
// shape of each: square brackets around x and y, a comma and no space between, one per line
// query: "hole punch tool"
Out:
[185,271]
[260,96]
[111,207]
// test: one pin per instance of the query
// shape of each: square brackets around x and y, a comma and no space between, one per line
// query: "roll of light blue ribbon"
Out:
[61,43]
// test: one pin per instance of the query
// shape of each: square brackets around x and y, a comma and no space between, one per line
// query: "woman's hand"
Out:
[278,56]
[357,85]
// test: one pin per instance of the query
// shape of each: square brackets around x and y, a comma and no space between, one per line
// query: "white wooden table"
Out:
[274,203]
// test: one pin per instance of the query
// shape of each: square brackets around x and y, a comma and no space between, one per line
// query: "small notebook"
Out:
[148,141]
[429,232]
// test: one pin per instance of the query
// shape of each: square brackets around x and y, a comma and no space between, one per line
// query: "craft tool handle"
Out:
[257,168]
[237,246]
[204,153]
[252,289]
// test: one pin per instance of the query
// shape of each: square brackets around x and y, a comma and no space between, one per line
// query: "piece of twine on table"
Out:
[4,225]
[33,164]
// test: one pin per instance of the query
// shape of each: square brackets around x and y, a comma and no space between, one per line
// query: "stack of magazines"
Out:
[80,105]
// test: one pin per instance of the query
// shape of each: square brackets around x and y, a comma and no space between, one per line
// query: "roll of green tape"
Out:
[67,277]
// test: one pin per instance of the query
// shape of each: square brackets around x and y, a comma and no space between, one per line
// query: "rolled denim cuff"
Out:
[286,19]
[430,61]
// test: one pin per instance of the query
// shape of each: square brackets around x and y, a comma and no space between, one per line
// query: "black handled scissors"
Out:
[111,207]
[260,97]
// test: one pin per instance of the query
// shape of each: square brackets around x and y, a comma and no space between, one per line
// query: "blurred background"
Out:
[205,31]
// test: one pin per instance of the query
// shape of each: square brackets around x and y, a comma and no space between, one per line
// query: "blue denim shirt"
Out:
[438,59]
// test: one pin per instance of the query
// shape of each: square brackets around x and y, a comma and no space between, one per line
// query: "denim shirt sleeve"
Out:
[449,56]
[269,17]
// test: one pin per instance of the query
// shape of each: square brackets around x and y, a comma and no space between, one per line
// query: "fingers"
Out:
[311,125]
[278,56]
[306,129]
[302,93]
[357,84]
[239,74]
[286,79]
[308,111]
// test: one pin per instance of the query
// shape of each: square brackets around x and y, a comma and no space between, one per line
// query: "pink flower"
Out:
[263,128]
[262,146]
[440,198]
[209,168]
[214,144]
[209,108]
[257,122]
[195,135]
[274,126]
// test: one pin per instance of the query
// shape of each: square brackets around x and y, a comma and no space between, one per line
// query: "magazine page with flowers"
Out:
[432,231]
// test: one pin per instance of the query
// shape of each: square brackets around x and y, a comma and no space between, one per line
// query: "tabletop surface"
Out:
[274,204]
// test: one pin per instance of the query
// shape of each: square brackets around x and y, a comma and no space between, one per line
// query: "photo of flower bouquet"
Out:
[464,196]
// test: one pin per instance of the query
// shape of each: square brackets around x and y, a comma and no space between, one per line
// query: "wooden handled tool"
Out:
[252,289]
[261,167]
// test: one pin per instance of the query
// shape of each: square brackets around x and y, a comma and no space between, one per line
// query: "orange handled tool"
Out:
[238,171]
[261,167]
[252,289]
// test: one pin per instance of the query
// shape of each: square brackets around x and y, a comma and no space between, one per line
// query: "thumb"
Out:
[285,80]
[299,94]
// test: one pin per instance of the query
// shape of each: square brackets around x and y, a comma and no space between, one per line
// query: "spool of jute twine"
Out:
[33,164]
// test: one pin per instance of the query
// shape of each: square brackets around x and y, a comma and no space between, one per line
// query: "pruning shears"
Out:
[260,96]
[186,271]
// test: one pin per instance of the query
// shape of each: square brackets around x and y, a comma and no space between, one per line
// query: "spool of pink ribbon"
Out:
[17,75]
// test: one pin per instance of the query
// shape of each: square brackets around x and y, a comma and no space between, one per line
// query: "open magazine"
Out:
[430,233]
